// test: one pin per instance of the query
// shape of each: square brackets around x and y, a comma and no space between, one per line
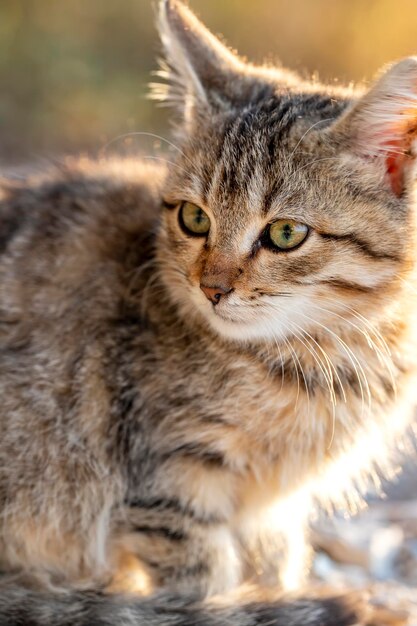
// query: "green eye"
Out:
[193,219]
[287,234]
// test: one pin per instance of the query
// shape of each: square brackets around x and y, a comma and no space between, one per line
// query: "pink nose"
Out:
[214,293]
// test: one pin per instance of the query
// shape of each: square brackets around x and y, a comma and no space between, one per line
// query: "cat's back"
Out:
[73,243]
[72,235]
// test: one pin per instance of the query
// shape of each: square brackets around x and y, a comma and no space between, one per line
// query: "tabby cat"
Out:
[193,353]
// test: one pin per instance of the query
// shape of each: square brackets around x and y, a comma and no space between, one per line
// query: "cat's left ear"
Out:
[200,70]
[382,125]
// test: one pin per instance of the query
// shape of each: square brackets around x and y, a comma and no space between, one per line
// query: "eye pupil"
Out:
[287,232]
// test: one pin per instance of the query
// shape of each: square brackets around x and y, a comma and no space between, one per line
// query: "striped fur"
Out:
[153,443]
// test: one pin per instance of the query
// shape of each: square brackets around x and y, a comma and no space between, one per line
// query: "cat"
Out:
[193,353]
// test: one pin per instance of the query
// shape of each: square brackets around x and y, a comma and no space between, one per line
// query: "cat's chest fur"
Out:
[237,426]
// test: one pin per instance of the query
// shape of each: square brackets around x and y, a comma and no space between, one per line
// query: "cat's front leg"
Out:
[153,549]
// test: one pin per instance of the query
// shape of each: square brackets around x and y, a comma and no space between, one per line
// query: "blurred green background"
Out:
[74,73]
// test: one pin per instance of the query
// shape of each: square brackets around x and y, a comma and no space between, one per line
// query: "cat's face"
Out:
[276,225]
[264,240]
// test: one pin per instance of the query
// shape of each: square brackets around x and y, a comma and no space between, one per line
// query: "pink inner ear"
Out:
[387,128]
[395,162]
[397,154]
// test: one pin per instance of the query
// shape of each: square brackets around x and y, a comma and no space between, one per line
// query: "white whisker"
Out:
[145,134]
[357,366]
[328,119]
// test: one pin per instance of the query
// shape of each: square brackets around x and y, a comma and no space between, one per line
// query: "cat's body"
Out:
[148,426]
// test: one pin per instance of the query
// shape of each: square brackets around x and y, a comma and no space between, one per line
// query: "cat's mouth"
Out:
[228,309]
[235,318]
[231,317]
[235,312]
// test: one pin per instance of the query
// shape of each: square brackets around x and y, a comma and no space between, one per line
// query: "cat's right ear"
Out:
[201,72]
[381,127]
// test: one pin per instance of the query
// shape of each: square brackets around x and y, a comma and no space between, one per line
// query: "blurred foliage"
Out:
[74,73]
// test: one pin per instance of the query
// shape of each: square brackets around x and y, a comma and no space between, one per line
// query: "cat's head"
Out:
[289,206]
